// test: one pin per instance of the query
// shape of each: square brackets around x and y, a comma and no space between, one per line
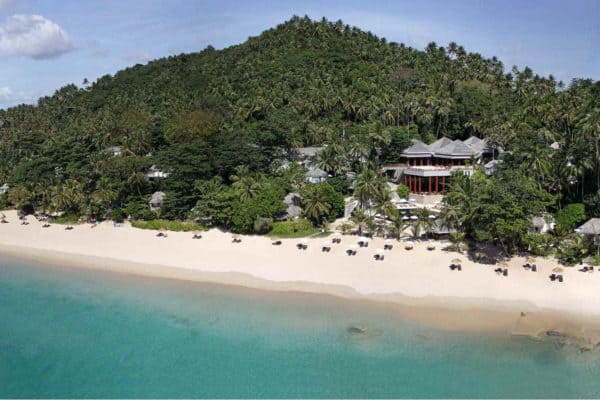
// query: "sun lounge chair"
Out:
[505,272]
[552,277]
[534,268]
[68,228]
[276,242]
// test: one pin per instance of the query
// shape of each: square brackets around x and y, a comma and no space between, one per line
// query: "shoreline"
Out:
[276,269]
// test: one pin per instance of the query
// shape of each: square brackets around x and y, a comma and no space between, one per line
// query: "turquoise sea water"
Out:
[73,333]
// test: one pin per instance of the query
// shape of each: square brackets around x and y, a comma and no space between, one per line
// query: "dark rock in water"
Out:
[356,329]
[583,349]
[556,334]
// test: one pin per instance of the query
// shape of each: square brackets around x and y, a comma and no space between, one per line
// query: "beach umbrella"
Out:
[558,270]
[379,251]
[353,247]
[304,241]
[456,261]
[504,264]
[388,241]
[275,239]
[337,234]
[530,259]
[408,245]
[235,236]
[326,243]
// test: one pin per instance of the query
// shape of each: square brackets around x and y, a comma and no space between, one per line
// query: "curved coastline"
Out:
[417,284]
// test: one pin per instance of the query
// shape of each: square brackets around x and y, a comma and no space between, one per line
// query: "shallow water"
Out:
[81,333]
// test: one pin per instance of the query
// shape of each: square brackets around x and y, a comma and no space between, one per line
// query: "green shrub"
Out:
[295,228]
[116,214]
[66,219]
[540,245]
[176,226]
[139,210]
[569,217]
[403,191]
[263,225]
[571,250]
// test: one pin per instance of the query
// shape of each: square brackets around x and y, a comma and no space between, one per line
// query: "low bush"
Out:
[295,228]
[176,226]
[66,219]
[263,225]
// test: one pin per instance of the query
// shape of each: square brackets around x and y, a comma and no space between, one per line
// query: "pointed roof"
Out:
[591,227]
[316,173]
[473,141]
[438,144]
[477,144]
[417,149]
[456,149]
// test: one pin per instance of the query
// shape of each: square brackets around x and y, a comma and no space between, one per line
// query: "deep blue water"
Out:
[78,333]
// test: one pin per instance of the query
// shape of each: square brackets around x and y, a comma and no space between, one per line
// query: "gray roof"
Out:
[479,145]
[311,151]
[456,149]
[417,149]
[438,144]
[293,211]
[538,222]
[316,173]
[290,198]
[591,227]
[157,197]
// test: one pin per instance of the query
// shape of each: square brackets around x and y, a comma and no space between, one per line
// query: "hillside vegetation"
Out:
[217,120]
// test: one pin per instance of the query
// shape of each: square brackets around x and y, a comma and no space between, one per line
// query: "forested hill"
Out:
[303,82]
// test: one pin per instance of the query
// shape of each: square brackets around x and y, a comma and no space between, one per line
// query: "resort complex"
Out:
[427,168]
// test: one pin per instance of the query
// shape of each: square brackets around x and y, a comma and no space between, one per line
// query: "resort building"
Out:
[156,173]
[114,151]
[156,200]
[591,228]
[316,175]
[426,169]
[307,156]
[541,224]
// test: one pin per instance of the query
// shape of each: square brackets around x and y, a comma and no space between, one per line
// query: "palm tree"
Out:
[315,207]
[398,224]
[362,220]
[138,181]
[456,239]
[20,196]
[366,187]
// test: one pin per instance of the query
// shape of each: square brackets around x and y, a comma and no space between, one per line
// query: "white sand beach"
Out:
[417,276]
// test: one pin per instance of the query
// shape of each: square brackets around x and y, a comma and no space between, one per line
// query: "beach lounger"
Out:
[505,272]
